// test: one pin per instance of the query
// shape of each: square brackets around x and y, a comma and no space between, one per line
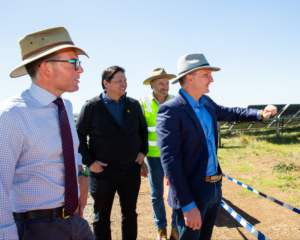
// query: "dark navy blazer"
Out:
[183,147]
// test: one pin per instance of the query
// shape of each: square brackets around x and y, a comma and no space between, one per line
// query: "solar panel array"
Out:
[283,111]
[292,111]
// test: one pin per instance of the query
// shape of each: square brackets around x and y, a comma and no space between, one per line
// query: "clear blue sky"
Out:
[255,43]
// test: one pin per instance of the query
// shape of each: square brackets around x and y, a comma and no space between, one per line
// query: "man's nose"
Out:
[80,69]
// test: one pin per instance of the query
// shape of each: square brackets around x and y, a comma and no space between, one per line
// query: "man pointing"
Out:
[187,138]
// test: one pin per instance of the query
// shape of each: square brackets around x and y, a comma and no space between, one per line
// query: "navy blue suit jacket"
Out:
[183,147]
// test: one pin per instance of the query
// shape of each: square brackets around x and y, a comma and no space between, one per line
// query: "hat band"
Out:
[202,65]
[46,47]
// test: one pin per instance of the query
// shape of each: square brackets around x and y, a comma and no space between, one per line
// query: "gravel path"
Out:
[271,219]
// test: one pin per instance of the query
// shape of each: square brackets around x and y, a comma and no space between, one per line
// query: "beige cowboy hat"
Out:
[39,44]
[158,73]
[192,62]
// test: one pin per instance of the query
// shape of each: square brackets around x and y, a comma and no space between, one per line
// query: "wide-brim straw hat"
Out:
[42,43]
[191,62]
[158,73]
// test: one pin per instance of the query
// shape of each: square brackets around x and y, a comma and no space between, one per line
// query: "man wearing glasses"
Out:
[43,188]
[116,131]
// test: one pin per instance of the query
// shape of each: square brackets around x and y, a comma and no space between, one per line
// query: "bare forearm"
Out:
[80,168]
[83,181]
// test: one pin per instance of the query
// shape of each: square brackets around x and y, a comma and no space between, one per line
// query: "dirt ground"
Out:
[272,220]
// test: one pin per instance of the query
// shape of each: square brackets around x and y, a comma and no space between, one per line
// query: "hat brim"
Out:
[21,70]
[149,80]
[214,69]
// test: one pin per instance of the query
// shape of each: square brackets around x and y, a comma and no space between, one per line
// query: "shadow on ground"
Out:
[224,219]
[231,147]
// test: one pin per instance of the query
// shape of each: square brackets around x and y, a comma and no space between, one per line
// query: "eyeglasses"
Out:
[77,62]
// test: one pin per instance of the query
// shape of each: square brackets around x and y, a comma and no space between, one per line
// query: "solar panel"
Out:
[263,124]
[291,110]
[256,125]
[240,126]
[258,106]
[283,111]
[280,108]
[292,122]
[223,124]
[273,124]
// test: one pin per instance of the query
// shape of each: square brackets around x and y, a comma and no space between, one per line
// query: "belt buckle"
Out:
[64,213]
[214,179]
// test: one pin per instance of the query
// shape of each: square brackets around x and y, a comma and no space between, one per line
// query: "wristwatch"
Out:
[83,172]
[261,114]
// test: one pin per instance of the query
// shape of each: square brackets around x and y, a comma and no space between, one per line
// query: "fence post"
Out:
[278,128]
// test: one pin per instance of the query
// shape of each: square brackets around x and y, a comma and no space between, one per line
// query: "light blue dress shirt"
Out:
[32,171]
[207,124]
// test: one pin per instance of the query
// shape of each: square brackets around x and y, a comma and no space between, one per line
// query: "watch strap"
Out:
[82,172]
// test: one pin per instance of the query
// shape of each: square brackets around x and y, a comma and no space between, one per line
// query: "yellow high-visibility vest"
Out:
[150,110]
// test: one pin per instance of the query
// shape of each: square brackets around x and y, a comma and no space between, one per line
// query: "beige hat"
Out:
[39,44]
[158,73]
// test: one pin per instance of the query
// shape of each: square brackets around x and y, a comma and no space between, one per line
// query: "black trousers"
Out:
[103,186]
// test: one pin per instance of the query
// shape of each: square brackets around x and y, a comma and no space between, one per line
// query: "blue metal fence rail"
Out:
[296,210]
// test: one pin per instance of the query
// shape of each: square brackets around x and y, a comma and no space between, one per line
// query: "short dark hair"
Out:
[32,67]
[182,81]
[108,74]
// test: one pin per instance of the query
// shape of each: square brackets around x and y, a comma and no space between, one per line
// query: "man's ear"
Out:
[46,69]
[105,83]
[188,79]
[152,84]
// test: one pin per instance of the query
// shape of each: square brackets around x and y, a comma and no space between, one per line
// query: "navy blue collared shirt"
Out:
[115,108]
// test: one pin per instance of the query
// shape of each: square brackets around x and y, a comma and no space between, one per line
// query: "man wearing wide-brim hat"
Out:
[186,130]
[159,82]
[43,187]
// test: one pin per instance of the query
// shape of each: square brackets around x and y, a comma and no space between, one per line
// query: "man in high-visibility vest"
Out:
[159,82]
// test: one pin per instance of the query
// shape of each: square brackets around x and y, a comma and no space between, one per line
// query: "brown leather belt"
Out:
[213,179]
[43,213]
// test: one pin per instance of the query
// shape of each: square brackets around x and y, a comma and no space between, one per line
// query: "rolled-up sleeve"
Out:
[11,139]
